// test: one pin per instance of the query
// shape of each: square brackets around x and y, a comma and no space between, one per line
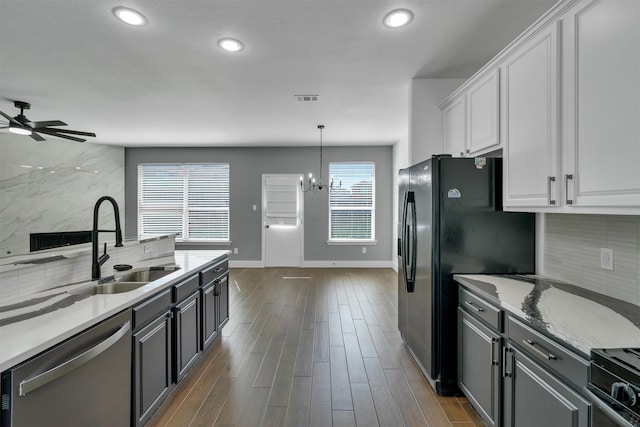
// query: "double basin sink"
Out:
[126,282]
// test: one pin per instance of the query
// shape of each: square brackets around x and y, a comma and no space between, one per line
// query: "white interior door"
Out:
[282,218]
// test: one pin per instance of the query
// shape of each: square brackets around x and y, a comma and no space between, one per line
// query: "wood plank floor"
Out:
[310,347]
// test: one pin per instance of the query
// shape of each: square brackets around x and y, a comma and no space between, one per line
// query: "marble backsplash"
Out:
[17,281]
[572,252]
[53,186]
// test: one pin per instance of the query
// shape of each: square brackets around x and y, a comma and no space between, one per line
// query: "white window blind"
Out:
[191,200]
[352,202]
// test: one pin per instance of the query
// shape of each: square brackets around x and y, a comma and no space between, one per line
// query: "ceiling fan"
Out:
[21,125]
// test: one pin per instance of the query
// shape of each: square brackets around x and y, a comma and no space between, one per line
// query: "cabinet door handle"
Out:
[567,177]
[549,182]
[532,346]
[474,307]
[492,357]
[64,368]
[505,374]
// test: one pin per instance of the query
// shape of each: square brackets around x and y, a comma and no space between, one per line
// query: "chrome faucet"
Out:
[96,261]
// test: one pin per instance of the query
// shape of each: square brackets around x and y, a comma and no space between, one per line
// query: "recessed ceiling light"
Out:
[129,16]
[398,18]
[230,45]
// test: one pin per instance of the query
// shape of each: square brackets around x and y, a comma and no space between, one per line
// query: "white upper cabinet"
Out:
[529,104]
[482,113]
[567,115]
[601,94]
[470,117]
[454,114]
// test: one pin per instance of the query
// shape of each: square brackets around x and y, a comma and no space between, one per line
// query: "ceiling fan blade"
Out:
[11,119]
[36,137]
[37,125]
[69,131]
[59,135]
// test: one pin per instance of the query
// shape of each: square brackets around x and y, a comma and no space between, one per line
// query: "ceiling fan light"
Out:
[398,18]
[19,130]
[230,45]
[130,16]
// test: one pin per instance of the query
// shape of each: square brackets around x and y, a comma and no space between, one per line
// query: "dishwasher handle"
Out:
[64,368]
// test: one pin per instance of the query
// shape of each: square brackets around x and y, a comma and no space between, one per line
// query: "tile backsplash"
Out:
[572,252]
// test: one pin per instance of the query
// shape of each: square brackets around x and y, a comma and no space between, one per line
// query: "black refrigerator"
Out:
[451,222]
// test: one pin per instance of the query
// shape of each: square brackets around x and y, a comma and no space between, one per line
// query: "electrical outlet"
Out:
[606,259]
[364,249]
[235,250]
[147,249]
[255,208]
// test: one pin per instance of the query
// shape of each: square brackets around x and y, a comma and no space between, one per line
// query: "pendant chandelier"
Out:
[312,184]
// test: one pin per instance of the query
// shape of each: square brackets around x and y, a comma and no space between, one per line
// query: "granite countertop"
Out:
[580,318]
[62,315]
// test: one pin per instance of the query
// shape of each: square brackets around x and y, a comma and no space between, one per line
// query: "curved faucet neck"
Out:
[96,261]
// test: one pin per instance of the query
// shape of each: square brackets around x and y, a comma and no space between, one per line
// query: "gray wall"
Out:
[247,166]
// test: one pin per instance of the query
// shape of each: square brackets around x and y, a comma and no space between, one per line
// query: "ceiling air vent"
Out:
[306,98]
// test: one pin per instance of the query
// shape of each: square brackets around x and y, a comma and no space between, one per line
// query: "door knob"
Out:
[266,226]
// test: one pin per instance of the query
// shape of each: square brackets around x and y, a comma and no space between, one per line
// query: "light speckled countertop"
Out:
[20,340]
[580,318]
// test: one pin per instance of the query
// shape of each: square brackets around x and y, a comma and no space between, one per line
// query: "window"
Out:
[352,204]
[190,200]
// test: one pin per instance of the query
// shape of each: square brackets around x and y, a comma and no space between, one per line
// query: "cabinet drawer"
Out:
[185,288]
[149,309]
[214,272]
[560,360]
[481,309]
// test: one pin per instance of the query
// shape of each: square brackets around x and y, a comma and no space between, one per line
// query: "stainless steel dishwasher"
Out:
[85,381]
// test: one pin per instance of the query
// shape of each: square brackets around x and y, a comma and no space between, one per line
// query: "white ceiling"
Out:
[168,84]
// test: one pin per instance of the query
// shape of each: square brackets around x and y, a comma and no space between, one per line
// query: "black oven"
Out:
[614,387]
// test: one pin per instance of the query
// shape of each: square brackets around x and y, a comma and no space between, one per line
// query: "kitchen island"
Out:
[109,352]
[29,335]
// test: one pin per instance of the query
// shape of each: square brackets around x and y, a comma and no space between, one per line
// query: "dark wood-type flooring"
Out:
[310,347]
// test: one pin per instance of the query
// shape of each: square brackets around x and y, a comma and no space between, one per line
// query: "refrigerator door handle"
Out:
[408,230]
[404,240]
[411,281]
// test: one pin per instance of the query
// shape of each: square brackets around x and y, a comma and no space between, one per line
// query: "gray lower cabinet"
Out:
[209,314]
[187,334]
[152,367]
[223,300]
[513,374]
[479,366]
[533,397]
[152,355]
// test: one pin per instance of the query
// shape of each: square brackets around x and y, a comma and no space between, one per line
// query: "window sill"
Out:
[204,242]
[352,242]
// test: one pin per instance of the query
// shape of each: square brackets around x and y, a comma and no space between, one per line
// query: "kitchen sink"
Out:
[146,274]
[129,281]
[108,288]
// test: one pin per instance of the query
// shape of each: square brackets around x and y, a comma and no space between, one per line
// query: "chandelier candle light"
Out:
[312,185]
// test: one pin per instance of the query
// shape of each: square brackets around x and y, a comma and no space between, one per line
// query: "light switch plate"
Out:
[606,258]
